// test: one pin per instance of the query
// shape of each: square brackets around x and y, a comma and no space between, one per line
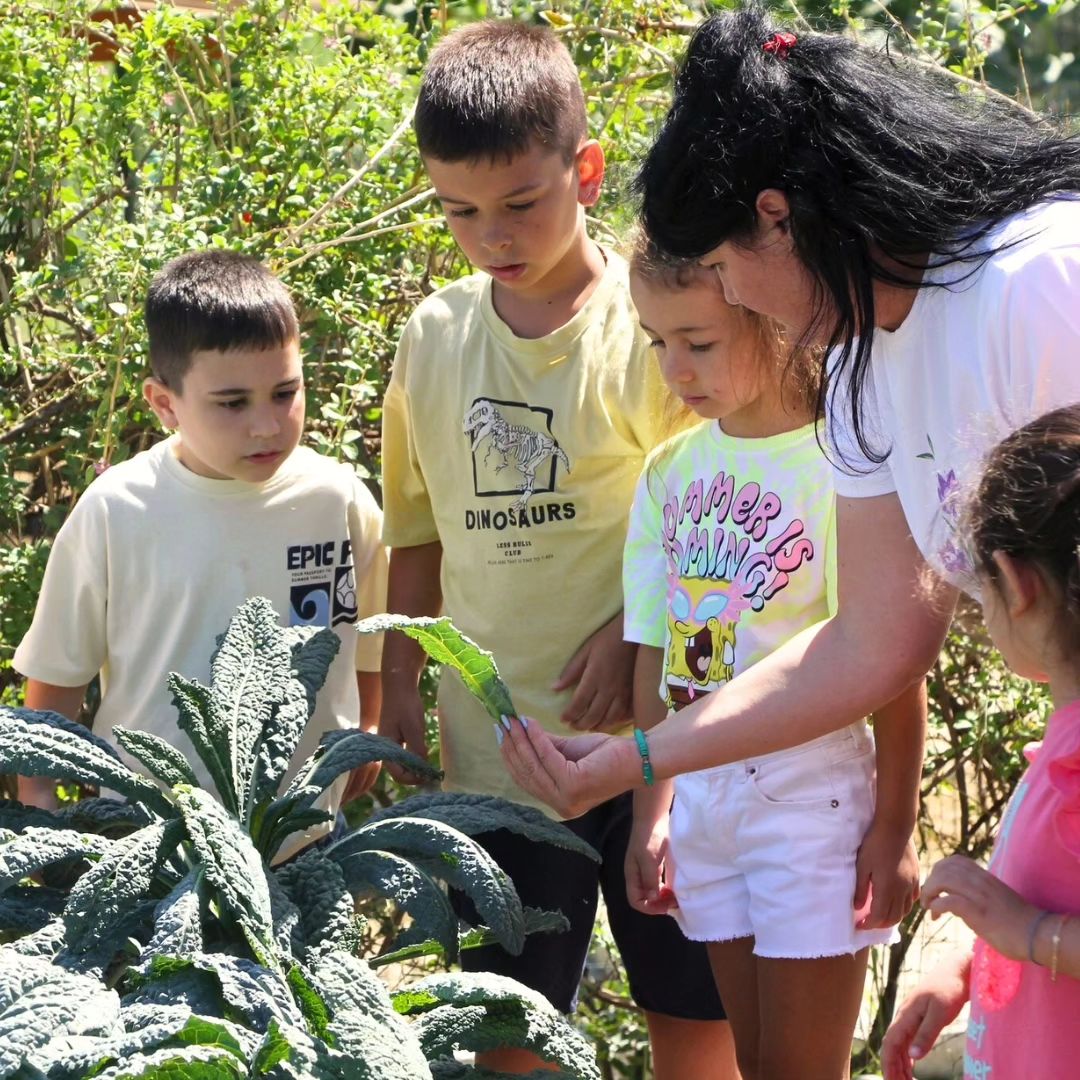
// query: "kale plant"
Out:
[180,951]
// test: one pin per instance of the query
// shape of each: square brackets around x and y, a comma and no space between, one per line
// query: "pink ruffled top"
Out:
[1023,1025]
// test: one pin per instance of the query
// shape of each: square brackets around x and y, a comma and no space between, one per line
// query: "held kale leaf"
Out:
[447,645]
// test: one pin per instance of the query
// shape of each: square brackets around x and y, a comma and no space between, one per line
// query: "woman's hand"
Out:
[571,774]
[924,1014]
[997,914]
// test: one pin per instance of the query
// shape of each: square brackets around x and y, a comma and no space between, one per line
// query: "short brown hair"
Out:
[214,300]
[493,87]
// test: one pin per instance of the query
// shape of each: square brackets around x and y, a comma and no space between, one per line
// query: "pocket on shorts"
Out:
[798,783]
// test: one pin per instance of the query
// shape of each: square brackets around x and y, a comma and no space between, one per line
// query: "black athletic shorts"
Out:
[668,974]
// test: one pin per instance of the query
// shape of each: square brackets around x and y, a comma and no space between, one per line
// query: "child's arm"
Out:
[413,588]
[887,862]
[1002,917]
[925,1013]
[369,684]
[602,670]
[65,700]
[645,889]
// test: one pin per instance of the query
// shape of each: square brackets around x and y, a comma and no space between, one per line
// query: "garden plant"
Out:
[176,948]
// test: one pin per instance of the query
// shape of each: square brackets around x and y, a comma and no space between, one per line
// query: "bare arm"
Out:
[887,859]
[413,588]
[884,637]
[369,685]
[65,700]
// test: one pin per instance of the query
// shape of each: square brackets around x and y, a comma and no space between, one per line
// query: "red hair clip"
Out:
[781,43]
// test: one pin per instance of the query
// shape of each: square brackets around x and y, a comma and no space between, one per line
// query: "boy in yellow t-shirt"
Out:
[522,403]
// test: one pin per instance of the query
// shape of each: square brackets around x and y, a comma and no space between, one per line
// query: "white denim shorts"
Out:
[766,848]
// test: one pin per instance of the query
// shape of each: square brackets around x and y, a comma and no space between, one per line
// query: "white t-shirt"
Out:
[968,365]
[154,560]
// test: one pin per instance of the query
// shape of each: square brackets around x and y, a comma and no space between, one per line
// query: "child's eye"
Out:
[233,404]
[468,211]
[288,395]
[518,207]
[657,344]
[703,347]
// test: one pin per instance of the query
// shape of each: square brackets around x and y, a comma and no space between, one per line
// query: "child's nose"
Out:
[676,369]
[264,423]
[496,238]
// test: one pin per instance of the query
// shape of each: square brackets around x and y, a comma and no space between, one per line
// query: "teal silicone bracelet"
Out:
[643,750]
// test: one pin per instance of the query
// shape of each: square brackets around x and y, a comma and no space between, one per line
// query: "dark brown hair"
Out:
[214,300]
[492,88]
[1028,506]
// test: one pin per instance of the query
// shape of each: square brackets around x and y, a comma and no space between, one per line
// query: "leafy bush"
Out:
[179,950]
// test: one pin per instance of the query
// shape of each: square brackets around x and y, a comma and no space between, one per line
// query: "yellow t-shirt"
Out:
[521,457]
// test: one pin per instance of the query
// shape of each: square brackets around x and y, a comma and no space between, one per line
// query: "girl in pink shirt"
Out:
[1023,976]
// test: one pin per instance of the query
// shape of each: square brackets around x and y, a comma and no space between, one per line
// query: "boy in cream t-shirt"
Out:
[161,549]
[521,406]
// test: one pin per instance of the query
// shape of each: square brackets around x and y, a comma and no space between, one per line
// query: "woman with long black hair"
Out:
[928,239]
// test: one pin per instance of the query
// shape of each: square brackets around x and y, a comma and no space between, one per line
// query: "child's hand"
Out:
[887,868]
[401,720]
[644,868]
[1000,916]
[920,1019]
[603,672]
[361,780]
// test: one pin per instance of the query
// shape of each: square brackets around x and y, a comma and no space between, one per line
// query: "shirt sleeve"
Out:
[408,519]
[66,642]
[1040,329]
[370,567]
[855,475]
[645,567]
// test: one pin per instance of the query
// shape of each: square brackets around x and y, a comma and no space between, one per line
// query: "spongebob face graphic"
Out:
[702,613]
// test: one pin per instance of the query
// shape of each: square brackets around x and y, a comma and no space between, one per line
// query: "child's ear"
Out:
[590,170]
[1018,582]
[160,398]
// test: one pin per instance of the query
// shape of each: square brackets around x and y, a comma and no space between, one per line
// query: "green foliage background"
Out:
[282,129]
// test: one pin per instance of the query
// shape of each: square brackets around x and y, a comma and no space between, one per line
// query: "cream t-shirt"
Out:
[154,560]
[520,456]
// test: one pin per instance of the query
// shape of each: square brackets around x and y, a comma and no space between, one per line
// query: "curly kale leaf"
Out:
[481,1011]
[447,645]
[233,867]
[105,896]
[475,814]
[445,853]
[36,743]
[161,759]
[178,920]
[363,1022]
[413,890]
[316,885]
